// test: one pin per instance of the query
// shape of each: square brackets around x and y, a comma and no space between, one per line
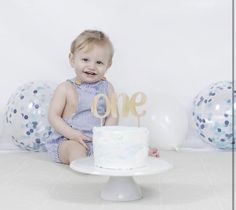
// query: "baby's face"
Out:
[91,65]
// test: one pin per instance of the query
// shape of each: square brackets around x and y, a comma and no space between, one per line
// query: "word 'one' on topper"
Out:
[128,105]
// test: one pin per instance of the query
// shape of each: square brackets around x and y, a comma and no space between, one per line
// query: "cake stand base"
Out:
[121,186]
[121,189]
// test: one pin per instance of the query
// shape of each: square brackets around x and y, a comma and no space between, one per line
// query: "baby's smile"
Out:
[87,72]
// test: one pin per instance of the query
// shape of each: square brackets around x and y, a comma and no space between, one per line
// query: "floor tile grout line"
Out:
[49,193]
[211,184]
[18,171]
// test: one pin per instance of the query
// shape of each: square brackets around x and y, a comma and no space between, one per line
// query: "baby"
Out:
[70,109]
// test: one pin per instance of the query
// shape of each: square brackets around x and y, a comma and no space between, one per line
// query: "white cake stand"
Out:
[121,186]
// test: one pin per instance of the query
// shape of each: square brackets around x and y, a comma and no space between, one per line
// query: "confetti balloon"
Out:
[26,115]
[212,114]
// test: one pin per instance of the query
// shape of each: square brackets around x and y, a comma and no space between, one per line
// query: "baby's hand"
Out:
[79,137]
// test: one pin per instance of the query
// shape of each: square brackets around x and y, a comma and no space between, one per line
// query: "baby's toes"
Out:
[157,154]
[153,152]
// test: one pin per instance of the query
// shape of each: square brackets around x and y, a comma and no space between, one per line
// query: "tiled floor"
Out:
[198,180]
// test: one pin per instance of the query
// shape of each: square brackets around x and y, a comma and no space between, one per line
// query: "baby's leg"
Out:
[70,150]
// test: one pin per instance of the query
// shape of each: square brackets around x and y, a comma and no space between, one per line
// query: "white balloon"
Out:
[167,121]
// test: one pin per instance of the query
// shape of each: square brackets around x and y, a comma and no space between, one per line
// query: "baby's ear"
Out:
[109,64]
[71,59]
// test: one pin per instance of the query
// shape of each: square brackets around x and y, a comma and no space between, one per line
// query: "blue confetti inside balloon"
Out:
[212,114]
[26,115]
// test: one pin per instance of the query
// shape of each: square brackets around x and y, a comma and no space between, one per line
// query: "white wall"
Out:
[173,46]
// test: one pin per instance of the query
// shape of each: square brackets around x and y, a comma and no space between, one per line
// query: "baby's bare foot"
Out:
[153,152]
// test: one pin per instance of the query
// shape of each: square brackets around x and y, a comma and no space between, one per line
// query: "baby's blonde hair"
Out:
[89,38]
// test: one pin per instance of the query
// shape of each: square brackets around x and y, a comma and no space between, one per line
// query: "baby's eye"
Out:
[85,59]
[99,62]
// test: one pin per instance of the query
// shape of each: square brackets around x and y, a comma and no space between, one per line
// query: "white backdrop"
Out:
[173,46]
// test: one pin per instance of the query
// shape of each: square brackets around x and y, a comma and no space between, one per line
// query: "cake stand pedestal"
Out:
[121,185]
[121,189]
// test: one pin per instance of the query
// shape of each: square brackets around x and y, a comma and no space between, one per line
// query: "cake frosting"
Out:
[120,147]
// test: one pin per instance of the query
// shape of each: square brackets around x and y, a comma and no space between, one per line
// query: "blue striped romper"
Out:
[82,119]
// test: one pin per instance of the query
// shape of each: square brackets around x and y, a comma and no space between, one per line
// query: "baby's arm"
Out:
[55,112]
[110,120]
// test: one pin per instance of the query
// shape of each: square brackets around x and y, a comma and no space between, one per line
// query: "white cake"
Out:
[120,147]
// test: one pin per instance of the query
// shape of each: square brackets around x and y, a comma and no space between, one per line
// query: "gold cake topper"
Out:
[129,105]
